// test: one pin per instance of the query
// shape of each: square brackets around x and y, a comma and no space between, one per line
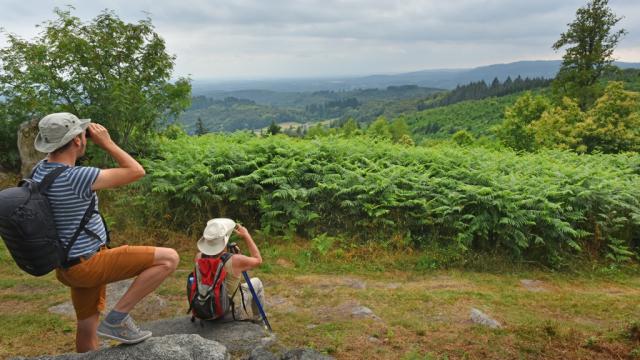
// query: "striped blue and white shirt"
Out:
[69,196]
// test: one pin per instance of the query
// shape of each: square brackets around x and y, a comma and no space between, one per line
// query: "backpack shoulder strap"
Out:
[225,257]
[50,177]
[85,219]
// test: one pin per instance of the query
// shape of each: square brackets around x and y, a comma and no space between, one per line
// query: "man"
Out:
[90,265]
[213,243]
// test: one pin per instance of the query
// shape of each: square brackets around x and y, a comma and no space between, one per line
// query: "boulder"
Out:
[179,338]
[179,347]
[28,155]
[237,336]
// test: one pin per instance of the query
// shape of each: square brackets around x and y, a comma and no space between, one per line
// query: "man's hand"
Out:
[99,135]
[128,170]
[242,231]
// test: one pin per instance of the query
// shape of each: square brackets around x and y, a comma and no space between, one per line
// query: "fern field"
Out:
[544,206]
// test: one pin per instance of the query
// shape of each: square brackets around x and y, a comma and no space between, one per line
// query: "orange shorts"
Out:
[88,280]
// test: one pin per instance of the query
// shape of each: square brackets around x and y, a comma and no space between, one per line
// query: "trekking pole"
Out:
[233,247]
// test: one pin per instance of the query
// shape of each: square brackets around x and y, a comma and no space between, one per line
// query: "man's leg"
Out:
[165,261]
[86,337]
[153,266]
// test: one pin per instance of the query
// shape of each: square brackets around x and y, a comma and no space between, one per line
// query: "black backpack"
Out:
[28,228]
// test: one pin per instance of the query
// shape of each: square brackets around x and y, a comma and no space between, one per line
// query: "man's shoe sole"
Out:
[124,341]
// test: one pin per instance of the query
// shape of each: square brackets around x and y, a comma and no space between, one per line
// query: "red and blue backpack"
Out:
[207,295]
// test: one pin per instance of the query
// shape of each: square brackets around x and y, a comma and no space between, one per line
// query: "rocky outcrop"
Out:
[237,336]
[178,347]
[179,338]
[28,154]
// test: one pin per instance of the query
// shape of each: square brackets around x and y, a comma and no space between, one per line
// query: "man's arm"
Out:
[129,169]
[241,262]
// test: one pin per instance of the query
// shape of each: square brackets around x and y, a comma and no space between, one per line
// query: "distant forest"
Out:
[255,109]
[480,90]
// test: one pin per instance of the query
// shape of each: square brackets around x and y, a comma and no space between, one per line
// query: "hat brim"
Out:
[207,248]
[46,147]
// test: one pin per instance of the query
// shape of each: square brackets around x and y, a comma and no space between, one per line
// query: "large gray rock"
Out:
[28,155]
[179,338]
[237,336]
[178,347]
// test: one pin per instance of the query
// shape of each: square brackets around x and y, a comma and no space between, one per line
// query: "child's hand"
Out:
[242,231]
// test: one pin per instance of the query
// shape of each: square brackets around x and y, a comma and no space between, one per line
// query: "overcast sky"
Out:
[257,39]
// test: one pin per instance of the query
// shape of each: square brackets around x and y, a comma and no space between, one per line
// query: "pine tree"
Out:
[273,129]
[200,129]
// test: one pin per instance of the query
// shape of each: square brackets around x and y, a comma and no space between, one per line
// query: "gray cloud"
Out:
[252,38]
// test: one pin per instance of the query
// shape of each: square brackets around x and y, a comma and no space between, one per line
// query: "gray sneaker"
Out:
[126,332]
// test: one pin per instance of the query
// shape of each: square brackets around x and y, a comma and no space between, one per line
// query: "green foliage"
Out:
[399,128]
[200,129]
[379,129]
[475,116]
[406,140]
[173,132]
[591,40]
[349,127]
[233,114]
[113,72]
[555,127]
[541,206]
[256,109]
[612,125]
[480,90]
[317,130]
[514,131]
[463,138]
[9,157]
[323,243]
[273,129]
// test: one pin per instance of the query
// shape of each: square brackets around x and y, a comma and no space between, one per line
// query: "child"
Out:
[213,243]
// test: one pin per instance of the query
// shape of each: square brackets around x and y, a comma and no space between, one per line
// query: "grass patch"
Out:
[420,313]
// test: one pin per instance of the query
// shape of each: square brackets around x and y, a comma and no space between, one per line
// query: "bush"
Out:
[542,206]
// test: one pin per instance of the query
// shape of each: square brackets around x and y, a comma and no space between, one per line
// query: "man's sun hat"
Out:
[57,129]
[216,236]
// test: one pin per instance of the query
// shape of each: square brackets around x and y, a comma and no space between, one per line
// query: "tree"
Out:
[316,131]
[556,126]
[612,125]
[200,129]
[115,73]
[463,138]
[274,128]
[349,127]
[406,140]
[591,41]
[379,129]
[399,128]
[515,131]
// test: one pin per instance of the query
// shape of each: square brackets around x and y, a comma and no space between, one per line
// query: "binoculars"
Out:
[233,248]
